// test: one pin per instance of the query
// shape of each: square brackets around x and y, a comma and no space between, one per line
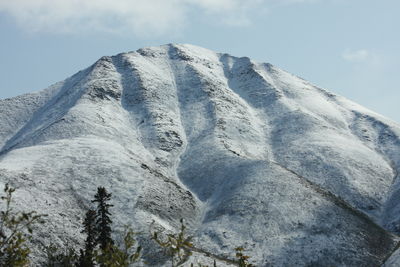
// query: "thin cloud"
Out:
[143,17]
[360,55]
[74,16]
[364,59]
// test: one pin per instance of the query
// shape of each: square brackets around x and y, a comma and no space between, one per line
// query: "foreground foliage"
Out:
[57,257]
[114,256]
[16,228]
[177,246]
[242,258]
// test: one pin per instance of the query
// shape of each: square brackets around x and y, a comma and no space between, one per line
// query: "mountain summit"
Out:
[248,154]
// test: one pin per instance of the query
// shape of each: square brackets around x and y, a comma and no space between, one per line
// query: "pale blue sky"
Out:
[350,47]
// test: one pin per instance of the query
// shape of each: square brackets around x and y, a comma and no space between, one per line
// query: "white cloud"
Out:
[95,15]
[364,59]
[144,17]
[360,55]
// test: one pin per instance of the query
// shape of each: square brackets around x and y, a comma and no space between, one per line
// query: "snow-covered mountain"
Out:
[247,153]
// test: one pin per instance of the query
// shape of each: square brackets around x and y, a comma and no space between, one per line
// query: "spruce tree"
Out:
[103,220]
[89,229]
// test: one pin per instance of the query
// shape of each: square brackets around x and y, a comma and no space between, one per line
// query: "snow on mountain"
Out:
[247,153]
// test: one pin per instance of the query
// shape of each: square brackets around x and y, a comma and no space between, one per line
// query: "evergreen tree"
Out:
[89,224]
[103,220]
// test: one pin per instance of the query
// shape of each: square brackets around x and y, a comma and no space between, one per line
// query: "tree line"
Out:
[99,248]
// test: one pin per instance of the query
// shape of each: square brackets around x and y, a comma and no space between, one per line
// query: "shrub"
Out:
[15,230]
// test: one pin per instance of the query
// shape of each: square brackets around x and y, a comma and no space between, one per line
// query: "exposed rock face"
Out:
[247,153]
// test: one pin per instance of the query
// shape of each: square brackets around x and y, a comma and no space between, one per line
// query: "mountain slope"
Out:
[247,153]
